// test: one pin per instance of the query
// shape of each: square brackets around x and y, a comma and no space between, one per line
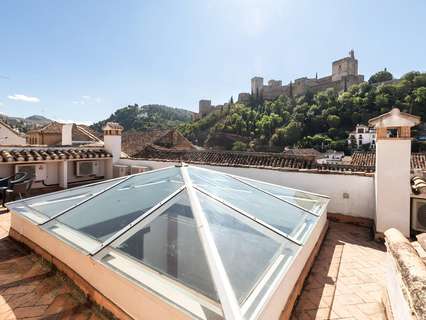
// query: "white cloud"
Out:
[88,123]
[22,97]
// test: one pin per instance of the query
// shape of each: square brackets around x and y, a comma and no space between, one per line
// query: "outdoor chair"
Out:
[8,182]
[20,189]
[17,178]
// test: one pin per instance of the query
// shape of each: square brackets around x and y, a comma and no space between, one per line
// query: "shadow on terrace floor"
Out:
[347,278]
[30,290]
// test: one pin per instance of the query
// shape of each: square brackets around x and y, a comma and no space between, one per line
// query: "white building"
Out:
[331,157]
[10,137]
[63,165]
[363,135]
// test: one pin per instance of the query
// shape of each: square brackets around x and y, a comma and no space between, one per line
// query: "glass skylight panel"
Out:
[40,209]
[114,209]
[289,219]
[308,201]
[249,251]
[168,242]
[144,228]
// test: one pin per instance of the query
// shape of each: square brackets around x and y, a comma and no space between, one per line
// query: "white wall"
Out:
[7,137]
[350,194]
[393,185]
[112,144]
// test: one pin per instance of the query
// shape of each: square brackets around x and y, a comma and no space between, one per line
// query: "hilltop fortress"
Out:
[344,73]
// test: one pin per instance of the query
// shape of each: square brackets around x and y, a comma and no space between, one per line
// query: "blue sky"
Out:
[82,59]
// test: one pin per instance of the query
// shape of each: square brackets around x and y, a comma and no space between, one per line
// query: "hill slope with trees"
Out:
[322,120]
[147,117]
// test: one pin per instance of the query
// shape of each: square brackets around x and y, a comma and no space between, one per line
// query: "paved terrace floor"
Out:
[347,278]
[346,281]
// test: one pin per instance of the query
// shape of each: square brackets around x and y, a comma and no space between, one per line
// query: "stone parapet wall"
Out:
[409,272]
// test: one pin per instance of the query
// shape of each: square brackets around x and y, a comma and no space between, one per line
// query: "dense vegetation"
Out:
[322,120]
[148,117]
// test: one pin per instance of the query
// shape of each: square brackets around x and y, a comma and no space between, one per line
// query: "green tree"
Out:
[239,146]
[380,76]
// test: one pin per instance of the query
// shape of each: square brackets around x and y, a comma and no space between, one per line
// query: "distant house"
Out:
[331,157]
[55,134]
[10,136]
[133,143]
[363,135]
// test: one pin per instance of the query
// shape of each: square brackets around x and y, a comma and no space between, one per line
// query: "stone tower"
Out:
[204,107]
[392,177]
[257,87]
[345,67]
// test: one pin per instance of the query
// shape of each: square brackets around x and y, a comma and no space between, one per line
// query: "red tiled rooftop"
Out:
[32,290]
[347,278]
[346,281]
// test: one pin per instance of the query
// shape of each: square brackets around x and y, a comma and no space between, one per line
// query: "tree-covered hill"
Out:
[147,117]
[322,120]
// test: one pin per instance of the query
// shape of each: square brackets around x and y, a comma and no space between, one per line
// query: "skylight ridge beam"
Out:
[272,195]
[88,199]
[119,233]
[248,215]
[230,306]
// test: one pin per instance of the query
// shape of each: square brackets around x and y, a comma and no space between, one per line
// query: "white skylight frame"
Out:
[231,308]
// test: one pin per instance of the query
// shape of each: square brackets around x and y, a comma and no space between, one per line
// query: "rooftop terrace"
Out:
[346,281]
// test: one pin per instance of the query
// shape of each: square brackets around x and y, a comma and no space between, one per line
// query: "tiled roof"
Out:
[40,154]
[302,152]
[80,132]
[246,159]
[367,158]
[133,143]
[418,160]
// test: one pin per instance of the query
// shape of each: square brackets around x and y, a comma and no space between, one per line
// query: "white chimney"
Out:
[67,134]
[112,140]
[392,176]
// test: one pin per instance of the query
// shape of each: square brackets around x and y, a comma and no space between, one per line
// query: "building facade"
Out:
[363,135]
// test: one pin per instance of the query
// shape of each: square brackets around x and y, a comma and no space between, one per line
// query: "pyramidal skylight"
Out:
[210,243]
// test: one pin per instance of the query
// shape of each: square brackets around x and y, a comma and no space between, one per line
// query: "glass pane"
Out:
[170,244]
[291,220]
[241,242]
[42,208]
[114,209]
[305,200]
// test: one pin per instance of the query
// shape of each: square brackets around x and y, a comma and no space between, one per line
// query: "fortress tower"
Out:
[344,67]
[257,87]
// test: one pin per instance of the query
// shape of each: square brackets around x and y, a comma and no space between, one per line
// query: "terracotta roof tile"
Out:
[42,154]
[418,160]
[243,159]
[133,143]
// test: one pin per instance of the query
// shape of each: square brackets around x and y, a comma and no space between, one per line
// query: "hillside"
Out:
[24,124]
[321,121]
[147,117]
